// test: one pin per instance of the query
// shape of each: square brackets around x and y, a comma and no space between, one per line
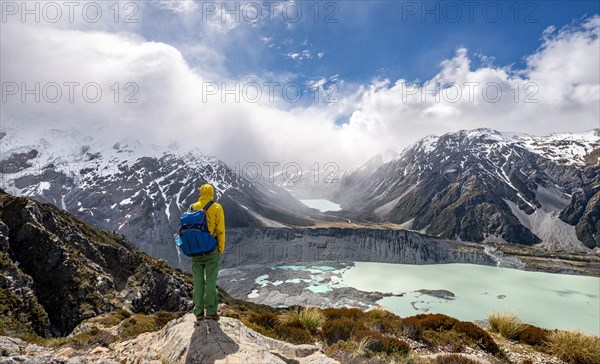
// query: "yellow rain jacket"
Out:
[214,215]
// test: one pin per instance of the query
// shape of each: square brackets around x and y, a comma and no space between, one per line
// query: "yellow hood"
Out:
[207,192]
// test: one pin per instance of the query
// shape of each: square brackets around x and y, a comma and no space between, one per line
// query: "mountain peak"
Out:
[479,132]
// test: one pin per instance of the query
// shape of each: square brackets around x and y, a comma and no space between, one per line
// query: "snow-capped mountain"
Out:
[135,189]
[483,184]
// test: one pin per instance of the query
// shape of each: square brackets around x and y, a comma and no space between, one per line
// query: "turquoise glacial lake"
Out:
[554,301]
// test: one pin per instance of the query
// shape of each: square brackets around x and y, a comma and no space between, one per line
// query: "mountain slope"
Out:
[478,185]
[134,189]
[584,214]
[58,271]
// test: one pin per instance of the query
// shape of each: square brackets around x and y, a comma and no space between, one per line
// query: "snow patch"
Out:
[43,186]
[545,224]
[127,201]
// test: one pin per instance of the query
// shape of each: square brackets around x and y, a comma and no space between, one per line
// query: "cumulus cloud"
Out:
[557,91]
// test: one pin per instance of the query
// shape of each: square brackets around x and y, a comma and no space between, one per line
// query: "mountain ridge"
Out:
[480,184]
[134,189]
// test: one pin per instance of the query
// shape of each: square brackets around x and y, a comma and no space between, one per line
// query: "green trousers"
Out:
[204,272]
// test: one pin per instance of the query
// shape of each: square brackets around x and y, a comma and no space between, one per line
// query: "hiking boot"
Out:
[213,317]
[200,317]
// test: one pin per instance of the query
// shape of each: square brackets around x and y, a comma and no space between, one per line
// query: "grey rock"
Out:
[584,213]
[84,270]
[11,346]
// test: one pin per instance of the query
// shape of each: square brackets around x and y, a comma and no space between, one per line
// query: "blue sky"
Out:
[362,40]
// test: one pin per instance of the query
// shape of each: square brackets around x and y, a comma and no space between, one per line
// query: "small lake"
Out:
[321,205]
[543,299]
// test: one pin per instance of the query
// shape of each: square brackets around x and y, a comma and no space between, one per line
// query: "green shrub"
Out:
[436,321]
[380,313]
[478,335]
[389,325]
[293,334]
[267,320]
[94,336]
[574,347]
[344,312]
[340,329]
[163,317]
[453,359]
[445,341]
[392,345]
[507,324]
[136,325]
[411,328]
[534,336]
[123,313]
[380,343]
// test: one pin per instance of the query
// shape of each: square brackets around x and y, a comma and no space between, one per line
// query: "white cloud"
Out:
[380,116]
[179,6]
[300,56]
[562,75]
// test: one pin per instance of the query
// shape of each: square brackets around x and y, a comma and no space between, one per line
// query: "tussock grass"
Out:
[310,318]
[363,344]
[378,313]
[112,318]
[139,323]
[507,324]
[574,347]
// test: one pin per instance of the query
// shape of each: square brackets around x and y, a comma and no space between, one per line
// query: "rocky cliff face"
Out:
[271,246]
[58,271]
[584,213]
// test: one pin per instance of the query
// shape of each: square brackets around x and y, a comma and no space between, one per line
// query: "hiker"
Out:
[205,268]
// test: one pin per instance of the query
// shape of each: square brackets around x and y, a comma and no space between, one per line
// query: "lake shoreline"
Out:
[465,291]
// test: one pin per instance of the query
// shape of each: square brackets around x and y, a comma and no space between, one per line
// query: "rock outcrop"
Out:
[58,271]
[181,341]
[584,213]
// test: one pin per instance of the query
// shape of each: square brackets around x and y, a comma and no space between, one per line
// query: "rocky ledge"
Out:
[180,341]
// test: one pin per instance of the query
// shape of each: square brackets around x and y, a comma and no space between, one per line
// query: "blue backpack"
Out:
[194,238]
